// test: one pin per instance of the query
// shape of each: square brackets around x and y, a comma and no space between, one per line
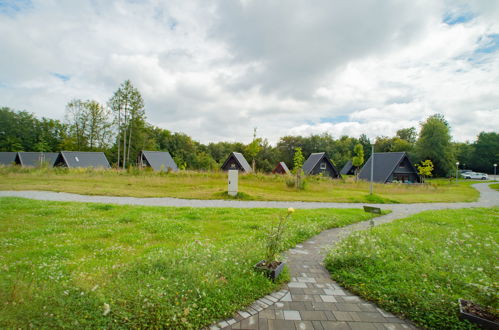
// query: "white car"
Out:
[475,176]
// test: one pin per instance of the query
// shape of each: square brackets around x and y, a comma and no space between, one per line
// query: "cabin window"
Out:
[76,158]
[323,165]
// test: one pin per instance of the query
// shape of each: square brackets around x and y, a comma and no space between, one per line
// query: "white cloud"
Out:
[215,70]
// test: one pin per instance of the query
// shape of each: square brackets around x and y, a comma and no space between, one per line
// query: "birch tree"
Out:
[128,107]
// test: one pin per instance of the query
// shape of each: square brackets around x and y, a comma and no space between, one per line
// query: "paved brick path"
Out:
[311,300]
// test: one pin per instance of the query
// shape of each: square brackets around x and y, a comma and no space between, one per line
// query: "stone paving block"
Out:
[278,305]
[279,315]
[366,307]
[236,325]
[344,307]
[297,285]
[302,297]
[371,317]
[362,326]
[271,298]
[394,320]
[312,291]
[324,306]
[329,316]
[251,311]
[304,325]
[333,325]
[292,315]
[223,324]
[317,325]
[296,291]
[351,299]
[244,314]
[287,297]
[326,298]
[335,292]
[396,326]
[267,314]
[231,321]
[385,314]
[281,325]
[313,316]
[306,279]
[263,324]
[214,327]
[342,316]
[250,322]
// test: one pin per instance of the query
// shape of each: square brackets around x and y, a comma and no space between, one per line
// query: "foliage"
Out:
[358,159]
[253,149]
[89,126]
[434,143]
[298,160]
[208,185]
[65,264]
[485,152]
[418,267]
[128,106]
[22,131]
[274,239]
[425,169]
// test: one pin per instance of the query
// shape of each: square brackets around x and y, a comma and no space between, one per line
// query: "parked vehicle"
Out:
[475,176]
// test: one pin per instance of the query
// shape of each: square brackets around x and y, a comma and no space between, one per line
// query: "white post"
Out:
[495,167]
[233,182]
[372,169]
[457,170]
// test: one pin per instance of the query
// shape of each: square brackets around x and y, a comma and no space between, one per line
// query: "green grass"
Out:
[418,267]
[155,267]
[494,186]
[213,185]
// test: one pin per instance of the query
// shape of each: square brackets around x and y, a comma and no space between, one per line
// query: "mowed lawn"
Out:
[418,267]
[212,185]
[63,265]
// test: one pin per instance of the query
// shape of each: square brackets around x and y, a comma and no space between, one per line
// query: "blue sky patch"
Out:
[13,7]
[457,18]
[490,45]
[63,77]
[336,119]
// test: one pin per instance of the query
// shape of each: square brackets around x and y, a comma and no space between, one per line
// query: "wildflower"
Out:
[291,210]
[107,309]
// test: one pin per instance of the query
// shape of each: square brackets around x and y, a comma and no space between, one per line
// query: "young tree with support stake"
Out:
[358,160]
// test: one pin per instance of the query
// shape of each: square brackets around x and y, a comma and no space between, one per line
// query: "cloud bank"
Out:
[216,69]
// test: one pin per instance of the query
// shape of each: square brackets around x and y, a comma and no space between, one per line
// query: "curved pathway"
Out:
[311,300]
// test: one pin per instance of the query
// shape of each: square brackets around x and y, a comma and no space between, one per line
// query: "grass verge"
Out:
[155,267]
[418,267]
[494,186]
[212,185]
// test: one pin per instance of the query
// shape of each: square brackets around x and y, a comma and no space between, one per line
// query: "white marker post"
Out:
[233,182]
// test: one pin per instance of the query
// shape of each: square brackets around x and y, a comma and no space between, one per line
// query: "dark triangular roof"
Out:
[33,159]
[82,159]
[240,160]
[346,168]
[314,159]
[7,158]
[385,164]
[283,166]
[159,160]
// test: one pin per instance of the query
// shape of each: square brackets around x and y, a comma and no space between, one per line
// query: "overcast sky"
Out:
[216,69]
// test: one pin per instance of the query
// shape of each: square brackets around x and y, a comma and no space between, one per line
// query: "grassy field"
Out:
[61,263]
[418,267]
[212,185]
[494,186]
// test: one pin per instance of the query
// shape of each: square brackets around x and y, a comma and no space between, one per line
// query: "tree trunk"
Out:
[129,144]
[124,135]
[119,134]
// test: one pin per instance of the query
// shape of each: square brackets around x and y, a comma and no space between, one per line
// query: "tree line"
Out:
[119,129]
